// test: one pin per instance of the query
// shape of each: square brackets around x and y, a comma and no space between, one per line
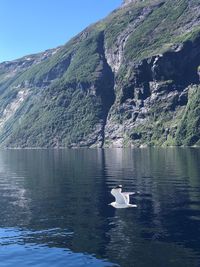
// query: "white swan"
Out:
[122,199]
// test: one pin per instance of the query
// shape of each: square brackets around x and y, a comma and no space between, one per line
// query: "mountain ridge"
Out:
[127,80]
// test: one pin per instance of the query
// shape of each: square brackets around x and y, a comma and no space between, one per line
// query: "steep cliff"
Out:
[128,80]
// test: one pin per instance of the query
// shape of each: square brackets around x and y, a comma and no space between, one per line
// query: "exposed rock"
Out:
[115,54]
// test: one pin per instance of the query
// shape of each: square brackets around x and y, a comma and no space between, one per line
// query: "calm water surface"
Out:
[54,208]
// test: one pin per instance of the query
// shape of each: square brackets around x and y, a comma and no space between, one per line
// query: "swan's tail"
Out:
[132,206]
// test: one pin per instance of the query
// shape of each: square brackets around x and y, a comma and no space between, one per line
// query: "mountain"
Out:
[132,79]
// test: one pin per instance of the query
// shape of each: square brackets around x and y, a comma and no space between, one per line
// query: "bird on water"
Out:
[122,199]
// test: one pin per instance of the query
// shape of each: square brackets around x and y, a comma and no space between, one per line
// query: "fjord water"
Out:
[54,208]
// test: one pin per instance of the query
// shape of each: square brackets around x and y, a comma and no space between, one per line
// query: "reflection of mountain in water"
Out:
[59,198]
[13,194]
[165,178]
[66,198]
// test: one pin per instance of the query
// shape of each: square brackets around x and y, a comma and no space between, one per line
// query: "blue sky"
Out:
[31,26]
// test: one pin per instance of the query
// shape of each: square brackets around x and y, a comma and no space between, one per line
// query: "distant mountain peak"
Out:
[126,2]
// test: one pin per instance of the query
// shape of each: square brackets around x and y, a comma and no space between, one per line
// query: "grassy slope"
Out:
[188,132]
[158,32]
[62,112]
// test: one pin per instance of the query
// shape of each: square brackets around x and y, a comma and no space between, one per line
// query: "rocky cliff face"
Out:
[128,80]
[149,109]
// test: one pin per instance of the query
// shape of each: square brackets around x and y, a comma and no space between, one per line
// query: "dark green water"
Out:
[54,208]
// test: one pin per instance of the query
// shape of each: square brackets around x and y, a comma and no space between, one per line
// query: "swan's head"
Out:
[118,188]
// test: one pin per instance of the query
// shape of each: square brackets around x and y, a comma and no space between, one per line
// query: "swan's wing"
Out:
[129,193]
[119,197]
[126,195]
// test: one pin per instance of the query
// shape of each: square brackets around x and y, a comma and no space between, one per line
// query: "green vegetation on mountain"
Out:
[189,126]
[131,79]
